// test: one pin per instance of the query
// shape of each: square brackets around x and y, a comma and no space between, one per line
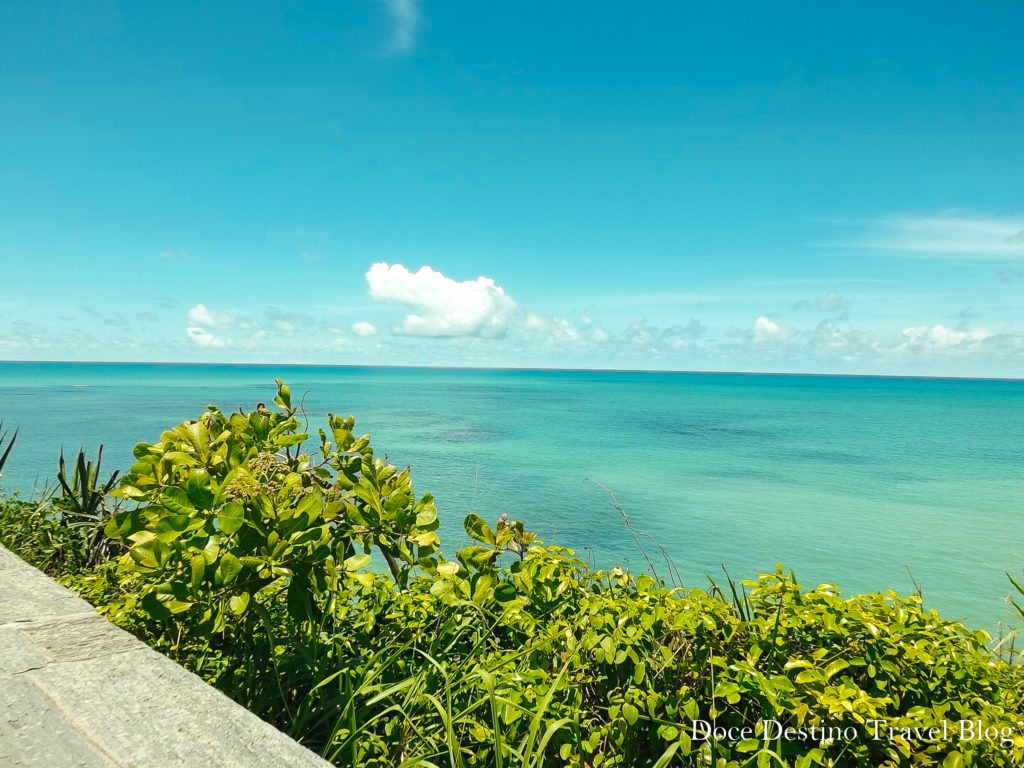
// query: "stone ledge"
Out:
[75,690]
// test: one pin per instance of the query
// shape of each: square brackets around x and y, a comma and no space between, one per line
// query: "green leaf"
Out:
[478,529]
[171,527]
[150,554]
[143,451]
[809,676]
[726,688]
[356,562]
[231,517]
[198,565]
[152,605]
[666,758]
[177,501]
[212,549]
[197,488]
[179,458]
[238,603]
[783,683]
[441,589]
[177,606]
[477,557]
[283,399]
[300,598]
[123,525]
[836,666]
[448,569]
[482,587]
[199,437]
[227,569]
[630,712]
[505,592]
[310,507]
[426,517]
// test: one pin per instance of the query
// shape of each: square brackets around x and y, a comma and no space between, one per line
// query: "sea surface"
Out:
[855,481]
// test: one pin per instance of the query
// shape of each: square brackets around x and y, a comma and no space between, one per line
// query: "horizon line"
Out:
[517,368]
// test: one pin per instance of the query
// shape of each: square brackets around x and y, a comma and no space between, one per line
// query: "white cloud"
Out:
[405,18]
[925,338]
[639,334]
[563,332]
[651,338]
[946,236]
[766,330]
[535,322]
[205,339]
[363,328]
[692,331]
[285,327]
[202,321]
[201,316]
[830,302]
[832,336]
[443,307]
[173,253]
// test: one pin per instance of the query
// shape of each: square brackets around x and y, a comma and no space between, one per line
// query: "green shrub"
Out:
[63,536]
[250,561]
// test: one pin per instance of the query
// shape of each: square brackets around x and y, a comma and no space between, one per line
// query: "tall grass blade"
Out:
[10,445]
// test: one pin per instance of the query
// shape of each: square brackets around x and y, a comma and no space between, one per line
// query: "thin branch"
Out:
[615,503]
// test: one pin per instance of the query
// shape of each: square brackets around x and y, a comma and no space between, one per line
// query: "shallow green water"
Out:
[845,480]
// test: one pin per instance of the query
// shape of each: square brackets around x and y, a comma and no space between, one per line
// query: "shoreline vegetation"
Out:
[244,547]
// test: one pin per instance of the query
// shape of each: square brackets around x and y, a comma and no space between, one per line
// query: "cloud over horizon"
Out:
[766,330]
[201,316]
[204,338]
[442,306]
[925,338]
[427,317]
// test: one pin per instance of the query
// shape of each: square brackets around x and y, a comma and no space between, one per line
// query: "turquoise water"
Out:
[845,480]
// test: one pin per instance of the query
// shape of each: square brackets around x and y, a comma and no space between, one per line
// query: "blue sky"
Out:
[735,186]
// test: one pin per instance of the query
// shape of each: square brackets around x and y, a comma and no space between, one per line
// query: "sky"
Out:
[737,186]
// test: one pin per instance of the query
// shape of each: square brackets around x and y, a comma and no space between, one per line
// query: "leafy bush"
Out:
[63,536]
[253,563]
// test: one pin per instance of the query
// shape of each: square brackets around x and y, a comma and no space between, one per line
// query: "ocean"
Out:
[854,481]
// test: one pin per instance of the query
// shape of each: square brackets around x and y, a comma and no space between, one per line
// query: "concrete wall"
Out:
[75,690]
